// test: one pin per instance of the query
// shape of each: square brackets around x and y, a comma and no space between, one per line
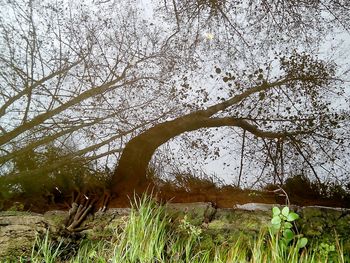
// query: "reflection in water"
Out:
[111,83]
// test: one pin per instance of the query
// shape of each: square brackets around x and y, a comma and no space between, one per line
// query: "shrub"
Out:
[74,175]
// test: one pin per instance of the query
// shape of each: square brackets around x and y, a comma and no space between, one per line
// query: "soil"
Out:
[229,197]
[224,197]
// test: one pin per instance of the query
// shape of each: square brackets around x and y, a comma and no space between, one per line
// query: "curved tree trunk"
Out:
[130,175]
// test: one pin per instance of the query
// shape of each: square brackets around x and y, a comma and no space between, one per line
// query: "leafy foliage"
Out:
[300,187]
[307,69]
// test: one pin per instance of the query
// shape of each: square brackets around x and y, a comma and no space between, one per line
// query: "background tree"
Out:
[75,73]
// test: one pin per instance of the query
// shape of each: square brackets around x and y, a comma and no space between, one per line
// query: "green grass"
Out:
[150,235]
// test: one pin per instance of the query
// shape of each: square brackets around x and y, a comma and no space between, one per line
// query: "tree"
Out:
[291,109]
[302,75]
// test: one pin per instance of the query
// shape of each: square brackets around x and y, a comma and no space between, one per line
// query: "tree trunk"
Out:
[130,174]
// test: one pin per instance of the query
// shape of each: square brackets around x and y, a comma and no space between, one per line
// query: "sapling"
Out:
[281,226]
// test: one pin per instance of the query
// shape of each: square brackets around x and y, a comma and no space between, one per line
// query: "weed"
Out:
[282,227]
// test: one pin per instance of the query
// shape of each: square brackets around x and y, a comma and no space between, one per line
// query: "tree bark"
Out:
[130,174]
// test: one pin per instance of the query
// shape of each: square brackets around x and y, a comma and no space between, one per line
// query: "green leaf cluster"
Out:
[282,227]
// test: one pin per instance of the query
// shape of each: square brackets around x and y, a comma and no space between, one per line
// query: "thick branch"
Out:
[238,98]
[230,121]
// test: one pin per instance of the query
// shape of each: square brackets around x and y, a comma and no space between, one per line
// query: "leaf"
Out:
[292,216]
[261,95]
[288,234]
[302,242]
[276,220]
[276,211]
[287,225]
[285,211]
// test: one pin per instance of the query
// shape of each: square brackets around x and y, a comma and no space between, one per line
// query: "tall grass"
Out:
[90,251]
[150,235]
[44,250]
[145,236]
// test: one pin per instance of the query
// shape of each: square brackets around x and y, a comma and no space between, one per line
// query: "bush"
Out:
[74,176]
[300,186]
